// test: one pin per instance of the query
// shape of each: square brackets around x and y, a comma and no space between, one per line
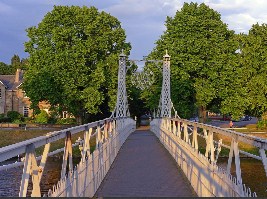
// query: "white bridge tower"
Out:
[122,109]
[165,104]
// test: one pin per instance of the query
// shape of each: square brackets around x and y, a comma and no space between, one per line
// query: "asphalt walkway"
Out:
[144,168]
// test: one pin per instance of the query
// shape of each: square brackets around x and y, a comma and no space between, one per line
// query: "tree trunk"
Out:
[202,114]
[79,119]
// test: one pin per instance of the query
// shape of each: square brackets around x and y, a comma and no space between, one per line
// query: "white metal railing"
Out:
[85,178]
[205,176]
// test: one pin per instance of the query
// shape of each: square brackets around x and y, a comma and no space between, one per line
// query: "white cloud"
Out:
[143,19]
[240,14]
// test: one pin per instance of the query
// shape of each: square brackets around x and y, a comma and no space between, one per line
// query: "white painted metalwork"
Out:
[122,109]
[205,176]
[110,134]
[165,104]
[86,177]
[142,79]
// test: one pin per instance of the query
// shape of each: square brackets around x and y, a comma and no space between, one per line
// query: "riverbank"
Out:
[15,135]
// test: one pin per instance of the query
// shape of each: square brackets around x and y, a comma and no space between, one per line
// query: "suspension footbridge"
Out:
[174,158]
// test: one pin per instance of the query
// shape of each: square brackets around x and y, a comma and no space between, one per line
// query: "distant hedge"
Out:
[5,120]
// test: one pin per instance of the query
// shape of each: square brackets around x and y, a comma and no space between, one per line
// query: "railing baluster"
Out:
[30,168]
[195,141]
[210,180]
[264,159]
[67,155]
[43,161]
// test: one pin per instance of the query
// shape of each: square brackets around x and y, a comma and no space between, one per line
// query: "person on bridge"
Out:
[231,124]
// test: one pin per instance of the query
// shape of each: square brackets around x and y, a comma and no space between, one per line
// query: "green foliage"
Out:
[202,51]
[42,117]
[74,60]
[254,68]
[5,120]
[15,62]
[17,121]
[262,124]
[14,115]
[6,69]
[66,121]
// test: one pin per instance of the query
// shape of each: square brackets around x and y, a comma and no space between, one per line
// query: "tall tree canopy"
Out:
[253,59]
[74,59]
[15,62]
[202,51]
[6,69]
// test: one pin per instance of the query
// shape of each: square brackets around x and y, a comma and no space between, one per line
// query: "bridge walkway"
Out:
[144,168]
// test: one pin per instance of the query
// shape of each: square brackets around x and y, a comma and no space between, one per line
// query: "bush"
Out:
[17,121]
[42,118]
[29,120]
[52,120]
[66,121]
[262,124]
[14,115]
[5,120]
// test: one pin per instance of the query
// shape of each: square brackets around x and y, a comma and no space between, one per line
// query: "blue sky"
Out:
[143,20]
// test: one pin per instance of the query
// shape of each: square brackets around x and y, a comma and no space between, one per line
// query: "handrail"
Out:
[14,150]
[174,134]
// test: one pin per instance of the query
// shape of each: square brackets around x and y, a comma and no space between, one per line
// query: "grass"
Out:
[9,137]
[251,130]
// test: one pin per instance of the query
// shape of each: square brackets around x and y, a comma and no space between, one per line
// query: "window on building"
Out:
[26,111]
[64,114]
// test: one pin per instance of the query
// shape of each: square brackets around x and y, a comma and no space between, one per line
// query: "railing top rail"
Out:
[14,150]
[252,140]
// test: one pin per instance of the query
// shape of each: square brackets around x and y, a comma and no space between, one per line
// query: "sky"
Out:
[143,20]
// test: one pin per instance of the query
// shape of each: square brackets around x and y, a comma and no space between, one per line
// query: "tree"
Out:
[6,69]
[15,62]
[73,60]
[42,117]
[202,51]
[253,59]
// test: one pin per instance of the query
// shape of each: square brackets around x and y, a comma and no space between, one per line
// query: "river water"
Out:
[10,179]
[253,176]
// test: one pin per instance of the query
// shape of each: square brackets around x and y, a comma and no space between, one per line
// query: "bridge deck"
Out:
[144,168]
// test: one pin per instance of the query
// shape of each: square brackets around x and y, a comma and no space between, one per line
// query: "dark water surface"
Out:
[10,180]
[252,172]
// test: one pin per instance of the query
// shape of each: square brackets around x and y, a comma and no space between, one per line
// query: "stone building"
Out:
[13,98]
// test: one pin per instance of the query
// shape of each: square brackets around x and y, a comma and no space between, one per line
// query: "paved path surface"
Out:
[144,168]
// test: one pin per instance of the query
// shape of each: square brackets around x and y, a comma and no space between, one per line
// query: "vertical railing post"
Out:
[179,128]
[98,136]
[263,159]
[174,127]
[209,144]
[186,138]
[67,155]
[86,145]
[106,125]
[43,160]
[195,141]
[30,168]
[234,151]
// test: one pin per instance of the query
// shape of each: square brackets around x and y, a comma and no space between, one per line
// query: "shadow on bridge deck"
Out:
[144,168]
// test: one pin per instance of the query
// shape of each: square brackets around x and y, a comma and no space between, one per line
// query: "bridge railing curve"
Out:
[181,138]
[83,179]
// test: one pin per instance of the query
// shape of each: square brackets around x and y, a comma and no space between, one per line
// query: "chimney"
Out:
[17,77]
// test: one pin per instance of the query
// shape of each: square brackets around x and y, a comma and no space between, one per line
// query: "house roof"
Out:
[9,81]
